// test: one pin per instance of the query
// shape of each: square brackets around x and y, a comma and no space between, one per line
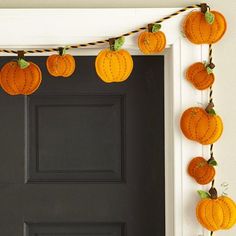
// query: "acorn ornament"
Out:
[201,75]
[152,41]
[62,64]
[114,64]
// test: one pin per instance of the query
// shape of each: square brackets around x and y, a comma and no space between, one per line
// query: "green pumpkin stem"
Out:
[21,60]
[153,28]
[213,193]
[210,67]
[204,7]
[212,161]
[111,43]
[116,43]
[61,51]
[209,109]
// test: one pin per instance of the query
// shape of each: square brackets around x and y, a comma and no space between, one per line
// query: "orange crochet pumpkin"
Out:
[200,125]
[153,41]
[114,64]
[200,75]
[216,213]
[201,170]
[61,65]
[20,77]
[204,27]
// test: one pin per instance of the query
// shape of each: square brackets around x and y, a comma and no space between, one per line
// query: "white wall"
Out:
[224,58]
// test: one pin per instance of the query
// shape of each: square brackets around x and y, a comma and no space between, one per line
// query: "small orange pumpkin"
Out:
[61,65]
[153,41]
[114,64]
[200,76]
[216,213]
[204,27]
[202,170]
[20,77]
[200,125]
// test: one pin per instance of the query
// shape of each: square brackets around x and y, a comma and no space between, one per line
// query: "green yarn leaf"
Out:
[23,63]
[209,17]
[211,112]
[209,70]
[213,163]
[119,43]
[203,194]
[156,28]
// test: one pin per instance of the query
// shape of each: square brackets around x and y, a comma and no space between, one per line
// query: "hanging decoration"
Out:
[20,76]
[215,213]
[114,64]
[201,170]
[201,75]
[205,26]
[153,41]
[61,65]
[201,125]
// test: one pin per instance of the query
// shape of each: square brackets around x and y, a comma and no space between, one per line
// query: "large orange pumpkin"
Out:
[199,31]
[200,125]
[152,41]
[199,76]
[61,64]
[114,65]
[201,170]
[20,77]
[216,213]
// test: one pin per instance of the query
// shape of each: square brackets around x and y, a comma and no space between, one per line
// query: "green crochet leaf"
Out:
[23,63]
[64,51]
[119,43]
[209,70]
[213,163]
[156,28]
[209,17]
[203,194]
[211,112]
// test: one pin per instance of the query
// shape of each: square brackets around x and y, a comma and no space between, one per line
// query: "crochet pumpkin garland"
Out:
[215,213]
[204,125]
[20,77]
[153,41]
[114,64]
[61,65]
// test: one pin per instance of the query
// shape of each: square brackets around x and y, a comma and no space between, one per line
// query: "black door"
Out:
[84,158]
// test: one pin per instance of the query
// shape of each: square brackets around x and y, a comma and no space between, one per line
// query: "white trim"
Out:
[43,27]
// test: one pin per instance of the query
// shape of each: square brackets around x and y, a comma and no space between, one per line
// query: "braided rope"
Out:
[106,40]
[210,61]
[210,101]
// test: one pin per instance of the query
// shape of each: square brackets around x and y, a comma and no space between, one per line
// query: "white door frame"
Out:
[30,28]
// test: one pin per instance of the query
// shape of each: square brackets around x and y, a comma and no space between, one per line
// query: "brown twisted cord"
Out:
[106,40]
[210,101]
[210,62]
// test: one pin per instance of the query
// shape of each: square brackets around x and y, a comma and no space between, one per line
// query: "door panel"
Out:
[81,157]
[82,229]
[76,138]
